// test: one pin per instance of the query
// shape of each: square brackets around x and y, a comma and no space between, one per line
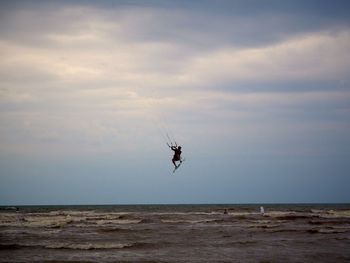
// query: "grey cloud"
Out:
[203,25]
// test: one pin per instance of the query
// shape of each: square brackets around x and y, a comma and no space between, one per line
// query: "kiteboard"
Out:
[177,167]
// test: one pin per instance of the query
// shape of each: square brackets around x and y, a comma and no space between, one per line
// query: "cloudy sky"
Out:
[256,92]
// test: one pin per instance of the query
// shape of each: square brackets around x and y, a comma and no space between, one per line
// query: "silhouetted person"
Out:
[177,155]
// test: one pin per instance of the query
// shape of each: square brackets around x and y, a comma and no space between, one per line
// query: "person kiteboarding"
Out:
[177,155]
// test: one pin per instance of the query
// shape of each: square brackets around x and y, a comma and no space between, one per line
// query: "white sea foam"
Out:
[339,213]
[8,220]
[47,221]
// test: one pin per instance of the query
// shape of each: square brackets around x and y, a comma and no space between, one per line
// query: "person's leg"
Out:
[173,160]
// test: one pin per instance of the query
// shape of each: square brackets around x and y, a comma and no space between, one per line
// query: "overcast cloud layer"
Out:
[256,92]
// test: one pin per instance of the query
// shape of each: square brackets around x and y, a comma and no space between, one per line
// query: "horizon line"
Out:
[175,204]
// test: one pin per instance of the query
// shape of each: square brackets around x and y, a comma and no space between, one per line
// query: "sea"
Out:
[262,233]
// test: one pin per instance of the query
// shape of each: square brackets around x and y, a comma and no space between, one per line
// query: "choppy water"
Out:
[176,233]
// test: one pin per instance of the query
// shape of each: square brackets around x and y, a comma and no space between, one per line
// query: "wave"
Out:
[333,231]
[312,230]
[245,242]
[39,221]
[113,229]
[342,238]
[332,213]
[150,221]
[329,222]
[339,213]
[183,213]
[121,230]
[183,221]
[57,219]
[290,230]
[295,217]
[118,221]
[83,246]
[66,245]
[87,246]
[264,226]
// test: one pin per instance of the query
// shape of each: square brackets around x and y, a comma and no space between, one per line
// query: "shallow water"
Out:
[176,233]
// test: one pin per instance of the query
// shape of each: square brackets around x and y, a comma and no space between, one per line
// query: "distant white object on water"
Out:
[262,210]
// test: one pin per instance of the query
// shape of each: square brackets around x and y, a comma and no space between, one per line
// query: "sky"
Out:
[257,93]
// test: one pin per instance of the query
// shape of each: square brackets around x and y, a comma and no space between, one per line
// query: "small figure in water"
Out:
[177,154]
[262,210]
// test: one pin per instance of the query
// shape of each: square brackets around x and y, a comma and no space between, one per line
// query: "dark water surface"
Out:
[175,233]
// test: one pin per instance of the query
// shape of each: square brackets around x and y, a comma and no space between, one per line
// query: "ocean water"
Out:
[176,233]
